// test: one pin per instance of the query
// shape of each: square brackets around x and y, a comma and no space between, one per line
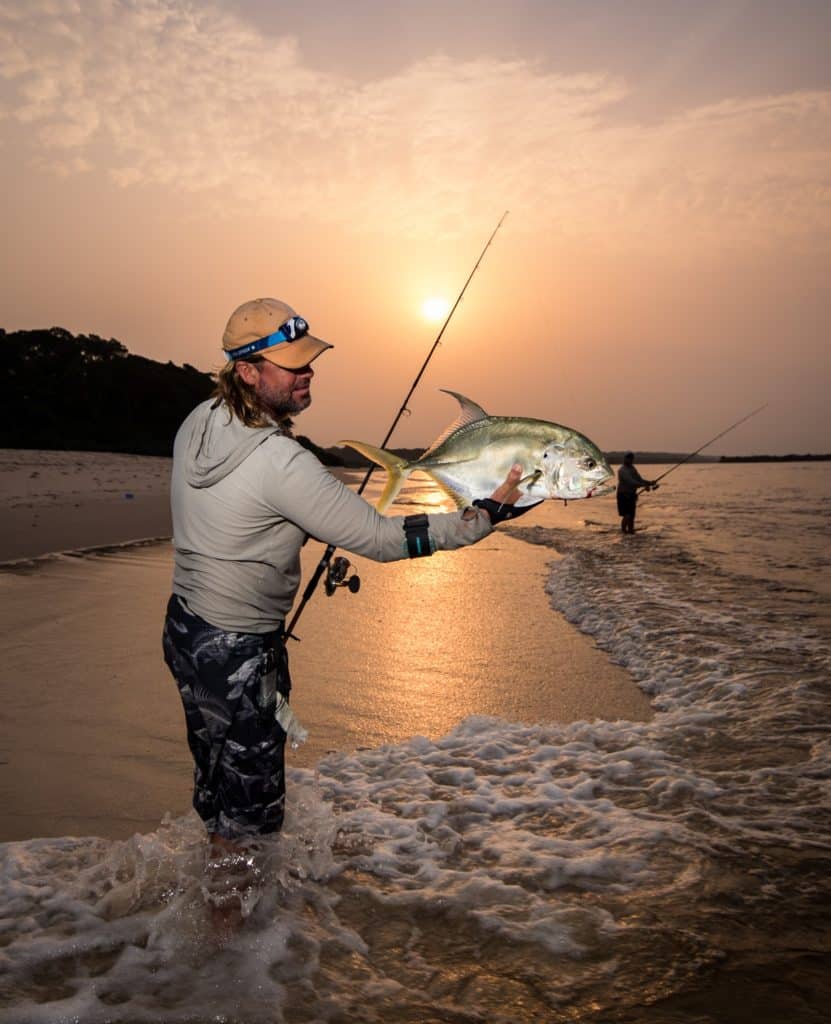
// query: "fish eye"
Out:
[590,463]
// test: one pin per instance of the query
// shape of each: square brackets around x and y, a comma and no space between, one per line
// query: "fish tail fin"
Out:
[398,469]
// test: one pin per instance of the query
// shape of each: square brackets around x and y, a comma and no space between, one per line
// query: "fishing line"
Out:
[323,564]
[712,440]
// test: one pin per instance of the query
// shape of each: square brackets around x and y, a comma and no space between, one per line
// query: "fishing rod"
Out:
[336,574]
[712,440]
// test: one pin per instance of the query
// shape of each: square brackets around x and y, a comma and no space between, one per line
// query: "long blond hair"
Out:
[241,399]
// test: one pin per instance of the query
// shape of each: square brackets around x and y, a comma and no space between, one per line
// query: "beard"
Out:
[281,406]
[282,411]
[280,394]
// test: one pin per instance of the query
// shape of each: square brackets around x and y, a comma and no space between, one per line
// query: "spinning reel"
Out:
[336,577]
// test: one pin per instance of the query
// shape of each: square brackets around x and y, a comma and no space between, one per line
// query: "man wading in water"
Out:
[629,481]
[245,496]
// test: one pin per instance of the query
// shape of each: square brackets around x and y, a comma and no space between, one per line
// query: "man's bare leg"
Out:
[229,864]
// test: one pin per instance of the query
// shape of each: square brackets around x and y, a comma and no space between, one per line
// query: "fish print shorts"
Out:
[229,683]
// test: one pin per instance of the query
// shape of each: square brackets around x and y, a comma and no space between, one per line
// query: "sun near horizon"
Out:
[667,179]
[435,308]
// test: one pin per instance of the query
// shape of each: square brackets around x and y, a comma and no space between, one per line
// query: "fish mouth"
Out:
[604,487]
[577,489]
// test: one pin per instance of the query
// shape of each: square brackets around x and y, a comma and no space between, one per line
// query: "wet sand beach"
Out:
[63,501]
[92,736]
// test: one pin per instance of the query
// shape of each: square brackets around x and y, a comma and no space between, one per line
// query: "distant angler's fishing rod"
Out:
[336,576]
[712,440]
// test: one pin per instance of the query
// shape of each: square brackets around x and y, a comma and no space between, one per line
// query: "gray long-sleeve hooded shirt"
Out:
[243,501]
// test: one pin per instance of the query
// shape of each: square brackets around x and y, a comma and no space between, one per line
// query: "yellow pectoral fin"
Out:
[459,498]
[430,468]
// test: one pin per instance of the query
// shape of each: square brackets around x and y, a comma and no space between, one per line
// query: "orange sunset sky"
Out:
[667,166]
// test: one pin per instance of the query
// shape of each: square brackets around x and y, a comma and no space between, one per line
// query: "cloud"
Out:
[190,98]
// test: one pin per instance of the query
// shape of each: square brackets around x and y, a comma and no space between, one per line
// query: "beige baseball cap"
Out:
[272,329]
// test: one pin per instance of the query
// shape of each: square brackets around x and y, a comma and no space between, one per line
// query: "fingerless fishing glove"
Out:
[499,512]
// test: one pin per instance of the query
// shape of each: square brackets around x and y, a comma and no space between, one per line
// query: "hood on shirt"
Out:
[216,442]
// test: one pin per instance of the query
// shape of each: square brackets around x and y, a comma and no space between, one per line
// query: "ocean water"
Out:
[670,870]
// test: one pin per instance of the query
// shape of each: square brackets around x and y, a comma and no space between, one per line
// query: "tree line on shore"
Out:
[84,393]
[775,458]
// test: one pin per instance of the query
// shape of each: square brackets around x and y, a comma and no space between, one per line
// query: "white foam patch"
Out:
[497,833]
[95,931]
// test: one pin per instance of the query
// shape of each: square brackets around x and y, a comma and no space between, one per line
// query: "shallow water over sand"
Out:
[513,869]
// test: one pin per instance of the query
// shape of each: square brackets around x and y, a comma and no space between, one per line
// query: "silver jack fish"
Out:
[472,457]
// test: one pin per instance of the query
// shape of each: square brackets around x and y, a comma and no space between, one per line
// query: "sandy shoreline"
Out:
[92,740]
[63,501]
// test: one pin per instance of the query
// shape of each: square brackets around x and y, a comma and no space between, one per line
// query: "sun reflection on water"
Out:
[429,642]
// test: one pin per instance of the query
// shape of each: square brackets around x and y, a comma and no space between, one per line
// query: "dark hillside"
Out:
[83,393]
[87,394]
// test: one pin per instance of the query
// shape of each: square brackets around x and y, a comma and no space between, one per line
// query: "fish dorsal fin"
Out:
[470,412]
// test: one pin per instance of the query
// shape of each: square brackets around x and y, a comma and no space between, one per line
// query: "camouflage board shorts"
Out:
[228,683]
